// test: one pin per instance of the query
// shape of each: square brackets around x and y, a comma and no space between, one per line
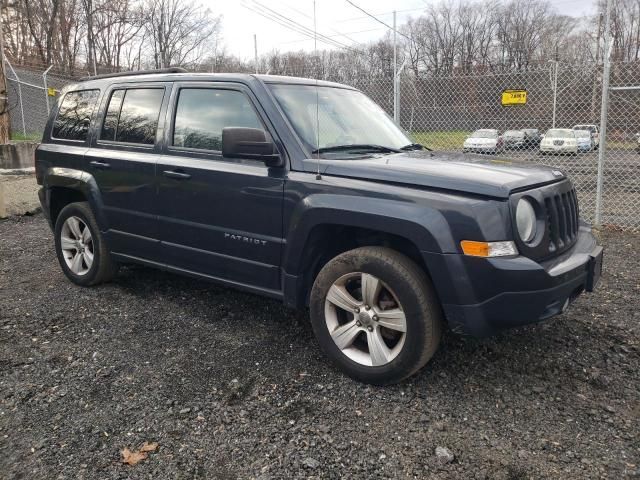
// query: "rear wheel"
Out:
[375,314]
[80,246]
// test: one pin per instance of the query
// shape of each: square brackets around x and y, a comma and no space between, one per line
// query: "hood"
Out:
[450,171]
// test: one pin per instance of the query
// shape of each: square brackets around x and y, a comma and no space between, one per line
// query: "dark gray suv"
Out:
[307,192]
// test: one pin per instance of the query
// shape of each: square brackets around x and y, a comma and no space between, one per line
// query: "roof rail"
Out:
[135,72]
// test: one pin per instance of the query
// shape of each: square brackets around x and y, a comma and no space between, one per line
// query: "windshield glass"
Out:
[513,133]
[560,133]
[344,117]
[583,134]
[484,134]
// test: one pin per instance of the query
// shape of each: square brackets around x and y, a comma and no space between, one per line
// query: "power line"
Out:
[378,20]
[280,19]
[345,35]
[382,14]
[338,35]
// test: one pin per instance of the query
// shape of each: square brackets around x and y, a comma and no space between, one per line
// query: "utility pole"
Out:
[396,109]
[604,109]
[5,124]
[255,50]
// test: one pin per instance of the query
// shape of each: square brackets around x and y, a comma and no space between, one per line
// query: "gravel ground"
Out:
[231,385]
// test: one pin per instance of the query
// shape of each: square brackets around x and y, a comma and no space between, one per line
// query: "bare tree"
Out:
[178,32]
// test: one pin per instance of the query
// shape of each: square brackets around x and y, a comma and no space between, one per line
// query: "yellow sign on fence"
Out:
[51,92]
[514,97]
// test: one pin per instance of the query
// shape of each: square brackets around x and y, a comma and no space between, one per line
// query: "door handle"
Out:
[176,174]
[101,165]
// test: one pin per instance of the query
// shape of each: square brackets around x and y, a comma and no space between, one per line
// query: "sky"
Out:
[334,18]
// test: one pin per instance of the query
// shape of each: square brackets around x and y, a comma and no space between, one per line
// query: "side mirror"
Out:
[251,143]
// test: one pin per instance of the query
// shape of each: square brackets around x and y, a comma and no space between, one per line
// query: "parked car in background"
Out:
[595,133]
[484,141]
[584,140]
[513,139]
[559,140]
[532,137]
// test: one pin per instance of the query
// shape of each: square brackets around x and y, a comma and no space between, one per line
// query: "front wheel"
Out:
[376,315]
[80,247]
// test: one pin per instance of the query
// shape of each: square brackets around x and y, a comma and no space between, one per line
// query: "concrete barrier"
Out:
[15,155]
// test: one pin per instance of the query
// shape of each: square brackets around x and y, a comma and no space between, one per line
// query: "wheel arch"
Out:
[64,186]
[323,232]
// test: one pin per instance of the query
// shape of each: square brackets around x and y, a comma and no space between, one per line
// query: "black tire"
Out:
[103,268]
[416,295]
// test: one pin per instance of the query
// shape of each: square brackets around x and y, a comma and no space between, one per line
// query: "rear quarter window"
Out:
[74,115]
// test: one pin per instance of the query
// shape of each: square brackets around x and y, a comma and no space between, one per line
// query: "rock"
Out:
[444,455]
[311,462]
[185,410]
[609,409]
[440,426]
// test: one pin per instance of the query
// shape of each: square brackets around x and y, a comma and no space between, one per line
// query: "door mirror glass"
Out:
[242,142]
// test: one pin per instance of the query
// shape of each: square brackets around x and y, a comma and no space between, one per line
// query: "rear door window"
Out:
[132,115]
[74,116]
[202,113]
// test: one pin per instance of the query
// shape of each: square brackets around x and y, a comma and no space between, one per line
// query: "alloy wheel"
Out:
[77,247]
[365,319]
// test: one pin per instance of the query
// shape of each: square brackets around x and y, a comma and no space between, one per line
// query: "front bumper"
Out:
[558,148]
[483,296]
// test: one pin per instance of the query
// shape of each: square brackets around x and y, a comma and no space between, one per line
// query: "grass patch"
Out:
[29,137]
[443,140]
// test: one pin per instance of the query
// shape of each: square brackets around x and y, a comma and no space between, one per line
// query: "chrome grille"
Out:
[562,220]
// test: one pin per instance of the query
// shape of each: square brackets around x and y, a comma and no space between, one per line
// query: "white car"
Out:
[484,141]
[595,133]
[559,140]
[584,140]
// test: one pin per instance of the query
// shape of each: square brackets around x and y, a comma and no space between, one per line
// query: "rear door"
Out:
[123,162]
[218,216]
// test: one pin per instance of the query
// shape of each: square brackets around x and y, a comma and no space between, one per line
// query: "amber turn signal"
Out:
[488,249]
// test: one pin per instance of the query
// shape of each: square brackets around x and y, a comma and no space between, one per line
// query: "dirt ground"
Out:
[18,193]
[232,385]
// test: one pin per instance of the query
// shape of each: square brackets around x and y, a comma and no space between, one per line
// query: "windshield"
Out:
[590,128]
[344,117]
[583,134]
[484,134]
[561,133]
[513,133]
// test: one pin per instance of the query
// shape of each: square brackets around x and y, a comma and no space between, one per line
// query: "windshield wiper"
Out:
[414,146]
[357,146]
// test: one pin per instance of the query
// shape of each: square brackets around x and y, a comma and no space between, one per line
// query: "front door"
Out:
[218,217]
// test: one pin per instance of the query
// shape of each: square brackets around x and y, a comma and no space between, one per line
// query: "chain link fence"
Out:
[484,112]
[31,94]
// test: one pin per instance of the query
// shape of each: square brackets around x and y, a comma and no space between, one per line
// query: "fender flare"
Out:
[77,180]
[425,227]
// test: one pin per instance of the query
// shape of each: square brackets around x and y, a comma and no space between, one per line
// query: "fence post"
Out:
[396,109]
[24,128]
[46,90]
[604,110]
[555,90]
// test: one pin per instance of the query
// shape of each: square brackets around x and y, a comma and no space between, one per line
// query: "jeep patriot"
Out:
[307,192]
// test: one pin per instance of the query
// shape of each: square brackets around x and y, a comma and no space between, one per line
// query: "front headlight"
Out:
[526,220]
